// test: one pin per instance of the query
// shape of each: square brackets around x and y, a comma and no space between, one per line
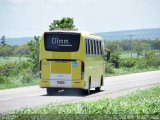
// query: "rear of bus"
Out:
[62,56]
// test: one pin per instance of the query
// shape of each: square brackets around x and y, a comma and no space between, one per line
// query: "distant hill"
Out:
[137,34]
[18,41]
[117,35]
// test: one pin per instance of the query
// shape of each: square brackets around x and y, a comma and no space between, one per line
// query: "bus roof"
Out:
[87,34]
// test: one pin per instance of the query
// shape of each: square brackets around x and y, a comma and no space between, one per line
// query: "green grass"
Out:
[17,83]
[17,74]
[11,60]
[123,71]
[127,54]
[138,105]
[19,80]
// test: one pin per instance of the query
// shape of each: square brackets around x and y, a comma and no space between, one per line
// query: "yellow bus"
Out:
[71,59]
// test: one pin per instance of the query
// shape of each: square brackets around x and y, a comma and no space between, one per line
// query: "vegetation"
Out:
[33,53]
[16,74]
[20,72]
[3,42]
[149,62]
[64,23]
[144,57]
[139,105]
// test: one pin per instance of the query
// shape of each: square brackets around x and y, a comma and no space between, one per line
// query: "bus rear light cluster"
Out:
[82,70]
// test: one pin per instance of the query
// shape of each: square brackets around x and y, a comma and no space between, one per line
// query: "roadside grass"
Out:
[17,74]
[123,71]
[17,83]
[137,105]
[11,60]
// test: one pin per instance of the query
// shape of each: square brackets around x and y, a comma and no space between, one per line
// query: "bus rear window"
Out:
[61,42]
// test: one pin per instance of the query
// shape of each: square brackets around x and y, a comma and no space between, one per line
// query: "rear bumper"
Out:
[65,84]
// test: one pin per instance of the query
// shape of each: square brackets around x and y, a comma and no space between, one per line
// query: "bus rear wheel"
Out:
[87,92]
[98,89]
[51,91]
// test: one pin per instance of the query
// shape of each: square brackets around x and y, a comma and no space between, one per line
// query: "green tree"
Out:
[156,44]
[138,47]
[64,23]
[112,45]
[33,53]
[152,59]
[3,40]
[21,51]
[3,43]
[115,59]
[6,50]
[126,45]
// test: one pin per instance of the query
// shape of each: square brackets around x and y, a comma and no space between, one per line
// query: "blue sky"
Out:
[21,18]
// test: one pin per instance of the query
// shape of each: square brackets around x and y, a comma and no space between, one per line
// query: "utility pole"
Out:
[131,36]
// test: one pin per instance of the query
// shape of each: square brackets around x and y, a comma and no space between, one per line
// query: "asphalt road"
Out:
[13,99]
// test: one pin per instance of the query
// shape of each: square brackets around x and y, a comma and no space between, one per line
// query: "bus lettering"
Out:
[59,41]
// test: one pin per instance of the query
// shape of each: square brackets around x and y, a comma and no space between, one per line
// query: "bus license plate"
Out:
[60,82]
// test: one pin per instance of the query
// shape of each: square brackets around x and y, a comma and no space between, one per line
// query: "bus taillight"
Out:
[82,70]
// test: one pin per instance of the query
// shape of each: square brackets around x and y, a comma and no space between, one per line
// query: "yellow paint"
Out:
[61,67]
[94,65]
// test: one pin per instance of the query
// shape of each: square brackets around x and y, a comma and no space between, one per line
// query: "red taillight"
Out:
[82,70]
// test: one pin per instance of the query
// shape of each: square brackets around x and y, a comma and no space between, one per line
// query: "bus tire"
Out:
[98,89]
[51,91]
[87,92]
[89,87]
[101,83]
[48,90]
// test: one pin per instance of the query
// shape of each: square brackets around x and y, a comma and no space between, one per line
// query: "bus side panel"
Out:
[94,69]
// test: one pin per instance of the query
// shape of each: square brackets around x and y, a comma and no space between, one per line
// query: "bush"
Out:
[2,80]
[128,62]
[152,59]
[109,68]
[16,74]
[27,78]
[115,59]
[141,64]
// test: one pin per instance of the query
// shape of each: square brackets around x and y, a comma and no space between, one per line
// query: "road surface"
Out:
[17,98]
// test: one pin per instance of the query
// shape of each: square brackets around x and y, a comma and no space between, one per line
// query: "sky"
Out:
[26,18]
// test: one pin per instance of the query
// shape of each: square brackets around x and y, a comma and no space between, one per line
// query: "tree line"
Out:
[137,46]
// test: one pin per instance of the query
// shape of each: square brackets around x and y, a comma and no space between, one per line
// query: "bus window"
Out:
[95,49]
[92,47]
[100,47]
[97,43]
[89,46]
[59,42]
